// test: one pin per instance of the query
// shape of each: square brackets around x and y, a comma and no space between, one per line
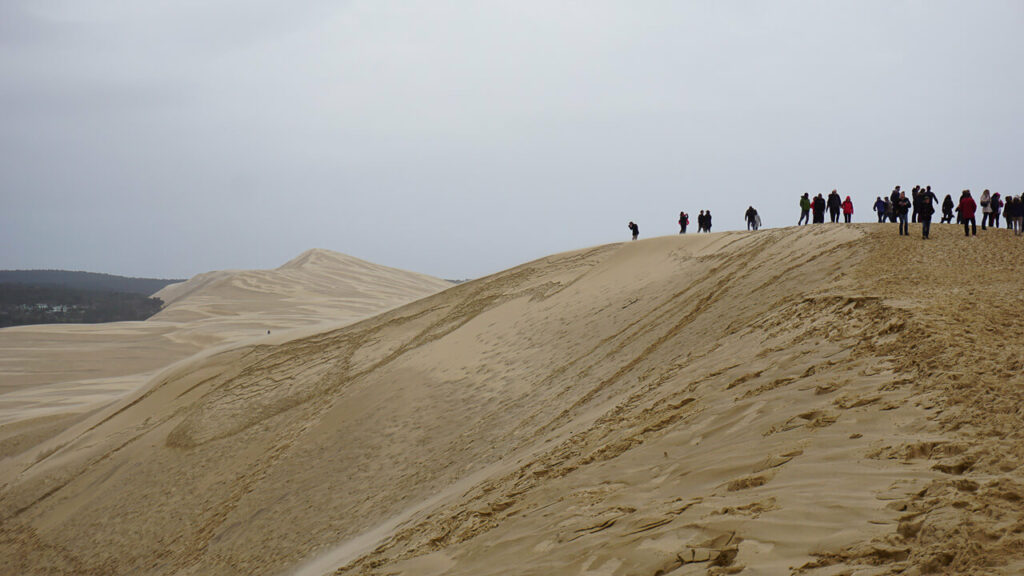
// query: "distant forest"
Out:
[86,281]
[59,296]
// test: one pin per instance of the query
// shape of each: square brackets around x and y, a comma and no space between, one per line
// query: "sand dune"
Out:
[51,370]
[825,400]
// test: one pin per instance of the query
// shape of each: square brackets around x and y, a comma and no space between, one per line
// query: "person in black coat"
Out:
[947,210]
[634,229]
[751,216]
[894,199]
[925,209]
[835,204]
[818,209]
[902,213]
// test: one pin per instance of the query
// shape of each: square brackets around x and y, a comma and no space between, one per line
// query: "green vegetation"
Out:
[86,281]
[41,304]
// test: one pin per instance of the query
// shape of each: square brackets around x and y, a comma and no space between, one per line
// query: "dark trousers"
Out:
[846,217]
[833,214]
[926,224]
[805,216]
[881,216]
[819,217]
[904,226]
[970,226]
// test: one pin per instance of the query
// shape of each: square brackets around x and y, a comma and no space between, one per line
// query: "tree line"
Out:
[52,304]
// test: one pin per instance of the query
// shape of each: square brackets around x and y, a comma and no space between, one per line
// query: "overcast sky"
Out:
[167,138]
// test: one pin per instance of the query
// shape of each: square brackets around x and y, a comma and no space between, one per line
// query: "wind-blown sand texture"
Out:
[51,375]
[826,400]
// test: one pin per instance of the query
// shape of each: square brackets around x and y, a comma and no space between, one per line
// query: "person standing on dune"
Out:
[986,208]
[847,210]
[684,220]
[902,212]
[879,207]
[834,206]
[967,208]
[805,210]
[634,229]
[894,199]
[752,218]
[707,221]
[818,207]
[925,210]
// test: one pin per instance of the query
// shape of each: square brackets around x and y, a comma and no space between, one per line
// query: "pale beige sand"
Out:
[55,369]
[825,400]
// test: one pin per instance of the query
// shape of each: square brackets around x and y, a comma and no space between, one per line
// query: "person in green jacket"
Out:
[805,210]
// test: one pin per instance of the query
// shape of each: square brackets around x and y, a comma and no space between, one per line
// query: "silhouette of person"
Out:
[751,216]
[834,206]
[967,209]
[684,219]
[947,210]
[634,229]
[925,209]
[880,208]
[902,212]
[818,209]
[805,210]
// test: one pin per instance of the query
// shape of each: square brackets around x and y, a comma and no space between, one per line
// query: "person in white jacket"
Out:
[986,208]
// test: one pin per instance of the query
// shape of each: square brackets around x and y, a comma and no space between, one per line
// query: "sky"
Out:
[166,138]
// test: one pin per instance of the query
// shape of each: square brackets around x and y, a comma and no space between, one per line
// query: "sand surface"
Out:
[60,370]
[829,400]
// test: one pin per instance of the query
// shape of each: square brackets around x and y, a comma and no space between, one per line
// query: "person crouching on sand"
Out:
[947,210]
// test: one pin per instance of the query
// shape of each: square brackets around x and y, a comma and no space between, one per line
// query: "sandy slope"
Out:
[825,400]
[53,373]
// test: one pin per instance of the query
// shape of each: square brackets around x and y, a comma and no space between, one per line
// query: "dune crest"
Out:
[819,401]
[315,291]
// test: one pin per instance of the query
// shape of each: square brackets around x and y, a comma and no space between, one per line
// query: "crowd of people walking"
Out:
[896,208]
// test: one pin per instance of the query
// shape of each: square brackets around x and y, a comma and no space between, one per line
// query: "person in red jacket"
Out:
[847,209]
[967,209]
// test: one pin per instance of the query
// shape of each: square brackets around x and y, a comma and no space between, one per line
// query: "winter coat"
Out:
[967,207]
[848,206]
[986,202]
[834,202]
[947,205]
[819,205]
[927,200]
[902,206]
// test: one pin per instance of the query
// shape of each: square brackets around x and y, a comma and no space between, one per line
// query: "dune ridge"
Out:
[68,370]
[824,400]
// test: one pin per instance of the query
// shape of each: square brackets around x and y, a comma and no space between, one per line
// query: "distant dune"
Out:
[825,400]
[52,374]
